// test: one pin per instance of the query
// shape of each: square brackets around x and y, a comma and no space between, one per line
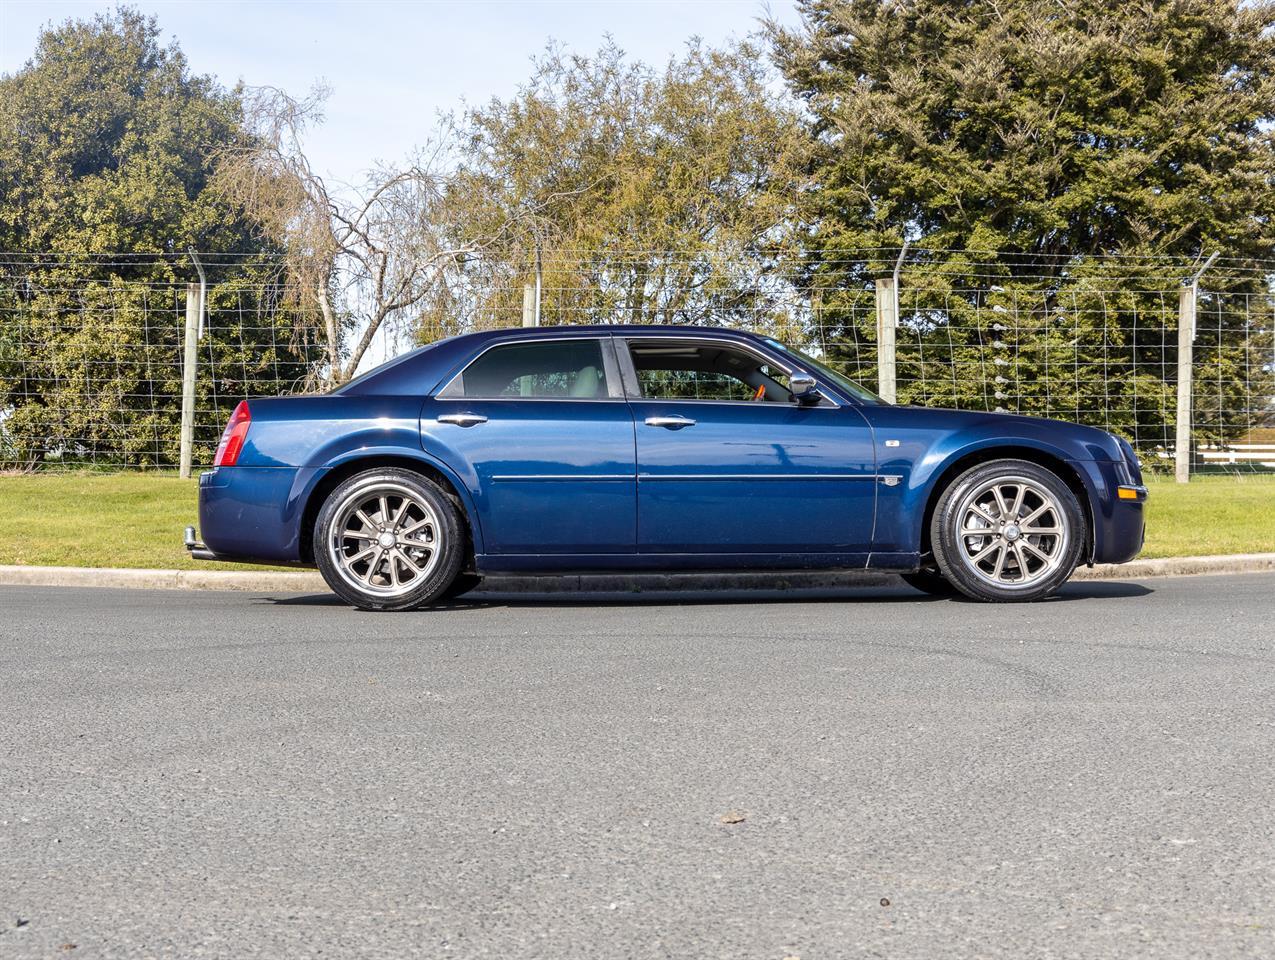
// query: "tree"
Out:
[1012,139]
[104,185]
[645,195]
[365,258]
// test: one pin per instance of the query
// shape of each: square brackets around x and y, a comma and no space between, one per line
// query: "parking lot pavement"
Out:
[851,773]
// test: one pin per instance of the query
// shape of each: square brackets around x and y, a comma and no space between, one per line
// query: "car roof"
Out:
[442,355]
[605,329]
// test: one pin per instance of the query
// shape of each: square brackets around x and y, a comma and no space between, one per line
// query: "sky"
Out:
[392,66]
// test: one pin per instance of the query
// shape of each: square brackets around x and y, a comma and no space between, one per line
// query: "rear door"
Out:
[542,432]
[727,463]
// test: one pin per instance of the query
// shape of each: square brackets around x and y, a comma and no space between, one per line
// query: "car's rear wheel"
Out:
[1006,531]
[389,539]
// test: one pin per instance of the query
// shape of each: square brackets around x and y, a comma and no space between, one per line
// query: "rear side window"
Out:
[553,369]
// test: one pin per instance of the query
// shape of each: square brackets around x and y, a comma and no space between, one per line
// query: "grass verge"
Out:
[99,520]
[136,520]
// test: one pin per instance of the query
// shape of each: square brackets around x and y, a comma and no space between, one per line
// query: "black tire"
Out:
[428,533]
[1017,560]
[931,582]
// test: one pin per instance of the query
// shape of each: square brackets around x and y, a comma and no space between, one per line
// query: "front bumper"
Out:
[1117,510]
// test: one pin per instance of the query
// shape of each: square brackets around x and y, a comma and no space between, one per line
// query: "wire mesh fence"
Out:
[91,366]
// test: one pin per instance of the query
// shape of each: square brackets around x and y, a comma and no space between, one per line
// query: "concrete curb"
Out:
[306,581]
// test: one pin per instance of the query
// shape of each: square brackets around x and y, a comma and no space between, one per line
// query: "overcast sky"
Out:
[393,66]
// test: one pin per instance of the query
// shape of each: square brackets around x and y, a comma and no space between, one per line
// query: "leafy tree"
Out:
[1014,138]
[105,140]
[646,195]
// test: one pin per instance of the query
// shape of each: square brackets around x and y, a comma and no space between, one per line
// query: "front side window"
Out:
[668,370]
[551,369]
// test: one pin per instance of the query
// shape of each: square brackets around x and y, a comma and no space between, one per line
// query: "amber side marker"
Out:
[1131,493]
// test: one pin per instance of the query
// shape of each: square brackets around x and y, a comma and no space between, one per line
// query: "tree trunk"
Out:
[334,341]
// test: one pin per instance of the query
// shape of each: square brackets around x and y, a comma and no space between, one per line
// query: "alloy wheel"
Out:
[1013,532]
[385,539]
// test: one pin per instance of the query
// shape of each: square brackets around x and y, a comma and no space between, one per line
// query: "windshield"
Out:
[862,394]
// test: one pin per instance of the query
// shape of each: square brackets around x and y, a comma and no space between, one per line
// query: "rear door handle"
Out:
[671,423]
[463,419]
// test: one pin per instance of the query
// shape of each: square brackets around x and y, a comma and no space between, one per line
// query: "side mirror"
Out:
[803,387]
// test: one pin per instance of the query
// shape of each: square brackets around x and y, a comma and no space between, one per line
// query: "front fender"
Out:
[916,448]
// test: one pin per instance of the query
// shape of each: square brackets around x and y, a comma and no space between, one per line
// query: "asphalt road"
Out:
[228,775]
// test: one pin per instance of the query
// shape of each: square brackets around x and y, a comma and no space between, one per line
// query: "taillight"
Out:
[232,439]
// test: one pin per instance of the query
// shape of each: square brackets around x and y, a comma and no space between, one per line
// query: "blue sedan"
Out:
[584,449]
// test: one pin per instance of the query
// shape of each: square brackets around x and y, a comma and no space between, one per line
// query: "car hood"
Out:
[1086,442]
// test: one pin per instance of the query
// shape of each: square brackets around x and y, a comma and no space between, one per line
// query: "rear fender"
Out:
[383,453]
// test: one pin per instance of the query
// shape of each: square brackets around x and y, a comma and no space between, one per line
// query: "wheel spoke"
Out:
[1000,502]
[998,571]
[372,567]
[1043,508]
[978,509]
[1018,500]
[1022,561]
[365,519]
[398,517]
[360,555]
[1041,531]
[985,551]
[393,562]
[407,559]
[1028,545]
[414,527]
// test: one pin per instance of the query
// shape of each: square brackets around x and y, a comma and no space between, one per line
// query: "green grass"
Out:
[136,520]
[1211,515]
[99,520]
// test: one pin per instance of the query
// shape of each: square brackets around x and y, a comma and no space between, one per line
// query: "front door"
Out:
[728,464]
[545,438]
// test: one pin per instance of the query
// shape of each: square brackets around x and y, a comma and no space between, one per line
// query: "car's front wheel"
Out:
[389,539]
[1008,530]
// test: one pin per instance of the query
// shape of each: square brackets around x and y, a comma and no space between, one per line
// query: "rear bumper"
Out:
[251,515]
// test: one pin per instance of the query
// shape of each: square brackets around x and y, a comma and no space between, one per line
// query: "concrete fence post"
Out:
[1186,350]
[1188,297]
[528,305]
[191,345]
[887,322]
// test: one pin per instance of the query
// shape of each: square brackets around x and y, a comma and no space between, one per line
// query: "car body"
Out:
[591,448]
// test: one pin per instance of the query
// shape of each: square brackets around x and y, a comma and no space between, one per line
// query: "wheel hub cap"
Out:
[386,540]
[1011,533]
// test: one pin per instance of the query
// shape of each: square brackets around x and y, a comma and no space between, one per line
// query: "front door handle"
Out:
[463,419]
[671,423]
